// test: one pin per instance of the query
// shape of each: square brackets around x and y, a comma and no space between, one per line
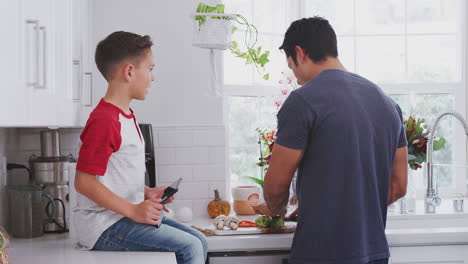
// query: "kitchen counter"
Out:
[59,248]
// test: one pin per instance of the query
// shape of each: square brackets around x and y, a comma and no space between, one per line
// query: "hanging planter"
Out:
[213,29]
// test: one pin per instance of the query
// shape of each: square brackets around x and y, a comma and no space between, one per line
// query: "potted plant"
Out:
[214,32]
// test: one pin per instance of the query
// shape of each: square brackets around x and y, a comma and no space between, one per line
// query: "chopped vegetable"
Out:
[231,222]
[277,222]
[263,221]
[246,223]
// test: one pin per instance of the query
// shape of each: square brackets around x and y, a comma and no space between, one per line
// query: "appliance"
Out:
[147,133]
[26,210]
[51,171]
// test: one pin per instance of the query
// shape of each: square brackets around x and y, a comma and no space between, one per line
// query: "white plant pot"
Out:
[213,34]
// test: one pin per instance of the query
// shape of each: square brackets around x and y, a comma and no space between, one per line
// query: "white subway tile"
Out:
[174,138]
[155,137]
[200,207]
[209,173]
[29,142]
[164,156]
[172,173]
[209,138]
[192,155]
[179,203]
[69,140]
[193,190]
[217,155]
[221,187]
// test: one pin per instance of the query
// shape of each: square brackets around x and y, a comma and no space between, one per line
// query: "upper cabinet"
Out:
[82,61]
[45,65]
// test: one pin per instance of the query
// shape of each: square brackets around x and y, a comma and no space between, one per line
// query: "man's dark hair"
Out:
[118,46]
[315,35]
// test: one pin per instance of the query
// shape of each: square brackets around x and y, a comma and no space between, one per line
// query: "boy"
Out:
[115,210]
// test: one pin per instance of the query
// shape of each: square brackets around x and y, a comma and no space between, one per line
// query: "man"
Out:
[347,140]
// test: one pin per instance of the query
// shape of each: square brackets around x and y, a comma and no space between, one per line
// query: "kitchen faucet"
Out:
[432,197]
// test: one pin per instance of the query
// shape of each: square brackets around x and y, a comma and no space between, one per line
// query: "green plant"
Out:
[416,134]
[252,53]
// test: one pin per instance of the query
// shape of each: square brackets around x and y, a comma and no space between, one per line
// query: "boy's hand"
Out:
[156,193]
[147,212]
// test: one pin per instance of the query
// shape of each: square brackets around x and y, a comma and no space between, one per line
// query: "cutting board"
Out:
[289,227]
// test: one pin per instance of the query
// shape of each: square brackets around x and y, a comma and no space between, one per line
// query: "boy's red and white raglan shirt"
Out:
[112,148]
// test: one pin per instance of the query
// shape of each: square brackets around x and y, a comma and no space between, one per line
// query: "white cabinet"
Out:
[14,103]
[451,254]
[82,62]
[37,78]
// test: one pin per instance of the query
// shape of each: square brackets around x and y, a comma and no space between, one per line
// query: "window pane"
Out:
[242,113]
[337,12]
[429,106]
[380,17]
[243,163]
[243,7]
[381,59]
[433,16]
[346,52]
[278,62]
[277,20]
[433,58]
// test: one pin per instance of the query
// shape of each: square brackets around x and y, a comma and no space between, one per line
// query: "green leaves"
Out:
[204,8]
[439,144]
[256,180]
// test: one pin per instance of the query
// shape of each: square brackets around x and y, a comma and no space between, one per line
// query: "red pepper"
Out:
[246,223]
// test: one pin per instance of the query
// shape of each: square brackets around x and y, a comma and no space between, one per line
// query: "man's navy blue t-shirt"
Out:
[349,131]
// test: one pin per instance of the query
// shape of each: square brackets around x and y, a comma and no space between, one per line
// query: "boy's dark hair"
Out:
[315,35]
[118,46]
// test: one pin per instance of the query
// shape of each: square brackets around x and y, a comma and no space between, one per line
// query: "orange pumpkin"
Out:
[218,206]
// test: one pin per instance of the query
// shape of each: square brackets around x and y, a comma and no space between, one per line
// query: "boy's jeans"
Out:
[189,245]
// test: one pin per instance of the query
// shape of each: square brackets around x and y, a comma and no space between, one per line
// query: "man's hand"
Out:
[264,210]
[147,212]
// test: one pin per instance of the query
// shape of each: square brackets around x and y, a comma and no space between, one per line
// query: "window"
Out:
[415,50]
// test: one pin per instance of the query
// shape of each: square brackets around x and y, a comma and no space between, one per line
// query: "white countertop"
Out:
[59,248]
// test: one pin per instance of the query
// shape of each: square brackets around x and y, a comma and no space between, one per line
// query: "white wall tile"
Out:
[164,156]
[209,138]
[200,207]
[29,141]
[174,138]
[69,140]
[193,190]
[172,173]
[221,187]
[192,155]
[209,173]
[179,203]
[217,155]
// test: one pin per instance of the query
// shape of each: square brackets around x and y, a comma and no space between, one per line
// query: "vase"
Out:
[410,197]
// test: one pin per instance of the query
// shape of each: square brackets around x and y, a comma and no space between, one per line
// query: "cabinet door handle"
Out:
[35,79]
[43,84]
[90,82]
[77,82]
